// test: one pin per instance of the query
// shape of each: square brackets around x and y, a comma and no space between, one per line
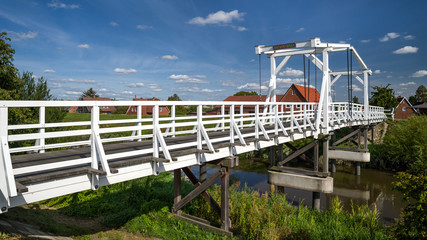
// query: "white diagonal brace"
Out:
[101,154]
[239,134]
[207,139]
[282,127]
[162,143]
[263,130]
[8,167]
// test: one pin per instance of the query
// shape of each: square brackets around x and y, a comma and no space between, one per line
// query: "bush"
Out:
[404,147]
[414,218]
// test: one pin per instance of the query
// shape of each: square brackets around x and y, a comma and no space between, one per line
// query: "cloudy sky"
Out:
[204,50]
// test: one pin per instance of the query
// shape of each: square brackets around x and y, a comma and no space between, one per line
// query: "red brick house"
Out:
[295,93]
[404,109]
[87,109]
[147,110]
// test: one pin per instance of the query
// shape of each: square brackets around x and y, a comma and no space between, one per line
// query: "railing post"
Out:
[231,123]
[276,118]
[139,117]
[155,126]
[292,117]
[223,117]
[241,116]
[94,129]
[325,82]
[257,121]
[42,121]
[173,115]
[199,127]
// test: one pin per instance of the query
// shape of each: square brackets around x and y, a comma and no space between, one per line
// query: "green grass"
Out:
[141,205]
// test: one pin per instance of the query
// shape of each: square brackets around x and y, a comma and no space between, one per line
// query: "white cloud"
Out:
[409,37]
[231,71]
[143,27]
[289,80]
[365,40]
[378,71]
[300,29]
[72,80]
[252,60]
[18,36]
[170,57]
[49,71]
[408,83]
[420,73]
[125,71]
[228,84]
[127,92]
[198,90]
[57,4]
[241,29]
[389,36]
[219,17]
[54,85]
[103,90]
[83,46]
[406,49]
[183,78]
[289,72]
[114,24]
[156,89]
[73,93]
[133,85]
[342,42]
[251,86]
[356,88]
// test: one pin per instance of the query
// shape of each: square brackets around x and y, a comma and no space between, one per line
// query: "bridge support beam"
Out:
[316,201]
[200,189]
[202,172]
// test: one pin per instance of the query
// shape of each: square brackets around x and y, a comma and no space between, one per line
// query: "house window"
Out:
[293,92]
[404,109]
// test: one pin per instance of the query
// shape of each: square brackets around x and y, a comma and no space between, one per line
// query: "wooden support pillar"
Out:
[365,138]
[225,179]
[325,153]
[202,172]
[280,153]
[316,157]
[358,138]
[372,135]
[316,201]
[272,156]
[177,188]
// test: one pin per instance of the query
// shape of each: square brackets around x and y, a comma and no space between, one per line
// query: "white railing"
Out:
[284,119]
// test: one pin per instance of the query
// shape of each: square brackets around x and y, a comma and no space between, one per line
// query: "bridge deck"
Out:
[30,160]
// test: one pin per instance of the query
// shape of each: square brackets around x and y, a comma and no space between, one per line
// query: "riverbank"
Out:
[140,207]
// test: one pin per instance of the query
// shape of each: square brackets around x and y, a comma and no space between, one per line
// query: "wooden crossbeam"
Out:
[298,152]
[198,190]
[205,194]
[303,156]
[348,136]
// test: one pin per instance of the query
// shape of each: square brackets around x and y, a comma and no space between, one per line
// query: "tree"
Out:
[174,97]
[383,97]
[88,93]
[421,94]
[412,100]
[245,93]
[356,100]
[9,81]
[180,110]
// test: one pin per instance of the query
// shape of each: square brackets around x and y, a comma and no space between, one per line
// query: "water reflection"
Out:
[373,187]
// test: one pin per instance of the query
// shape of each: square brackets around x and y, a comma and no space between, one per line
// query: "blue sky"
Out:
[204,50]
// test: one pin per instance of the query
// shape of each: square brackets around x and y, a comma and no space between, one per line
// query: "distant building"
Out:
[421,108]
[147,110]
[87,109]
[404,109]
[295,93]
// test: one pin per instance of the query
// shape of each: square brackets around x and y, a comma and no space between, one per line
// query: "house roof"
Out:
[96,99]
[146,99]
[401,99]
[250,98]
[308,93]
[422,105]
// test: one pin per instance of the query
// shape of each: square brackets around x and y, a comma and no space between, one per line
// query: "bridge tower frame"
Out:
[310,49]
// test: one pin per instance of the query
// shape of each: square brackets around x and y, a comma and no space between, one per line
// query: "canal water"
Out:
[372,187]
